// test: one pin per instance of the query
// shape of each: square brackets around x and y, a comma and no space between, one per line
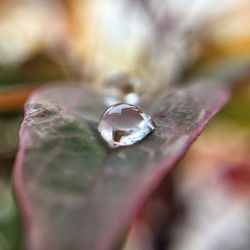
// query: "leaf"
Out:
[228,70]
[76,194]
[10,230]
[40,68]
[9,127]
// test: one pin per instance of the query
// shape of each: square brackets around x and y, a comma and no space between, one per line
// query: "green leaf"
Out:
[74,193]
[10,230]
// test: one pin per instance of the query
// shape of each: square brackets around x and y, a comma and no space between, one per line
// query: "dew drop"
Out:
[121,86]
[124,125]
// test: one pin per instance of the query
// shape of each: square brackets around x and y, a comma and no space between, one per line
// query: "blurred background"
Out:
[205,202]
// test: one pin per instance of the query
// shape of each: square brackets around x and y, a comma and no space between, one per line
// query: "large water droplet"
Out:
[124,125]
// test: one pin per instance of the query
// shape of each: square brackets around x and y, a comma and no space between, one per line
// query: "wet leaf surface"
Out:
[74,193]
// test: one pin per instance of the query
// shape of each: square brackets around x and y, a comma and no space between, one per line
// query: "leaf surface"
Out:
[75,193]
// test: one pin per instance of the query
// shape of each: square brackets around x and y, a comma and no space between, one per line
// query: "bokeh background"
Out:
[205,202]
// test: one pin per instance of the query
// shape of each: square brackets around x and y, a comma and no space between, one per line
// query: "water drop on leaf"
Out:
[124,125]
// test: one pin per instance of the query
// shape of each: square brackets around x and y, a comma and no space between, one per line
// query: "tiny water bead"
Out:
[124,125]
[121,87]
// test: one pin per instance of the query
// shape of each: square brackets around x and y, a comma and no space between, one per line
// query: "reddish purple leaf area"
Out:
[73,192]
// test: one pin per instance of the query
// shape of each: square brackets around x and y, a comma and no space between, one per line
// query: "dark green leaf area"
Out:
[72,154]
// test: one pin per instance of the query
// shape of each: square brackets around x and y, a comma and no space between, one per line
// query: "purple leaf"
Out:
[73,192]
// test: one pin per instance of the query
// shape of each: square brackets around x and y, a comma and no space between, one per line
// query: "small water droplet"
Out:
[33,109]
[110,100]
[124,125]
[38,113]
[121,86]
[132,98]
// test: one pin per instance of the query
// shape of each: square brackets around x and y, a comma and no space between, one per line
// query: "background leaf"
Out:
[10,228]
